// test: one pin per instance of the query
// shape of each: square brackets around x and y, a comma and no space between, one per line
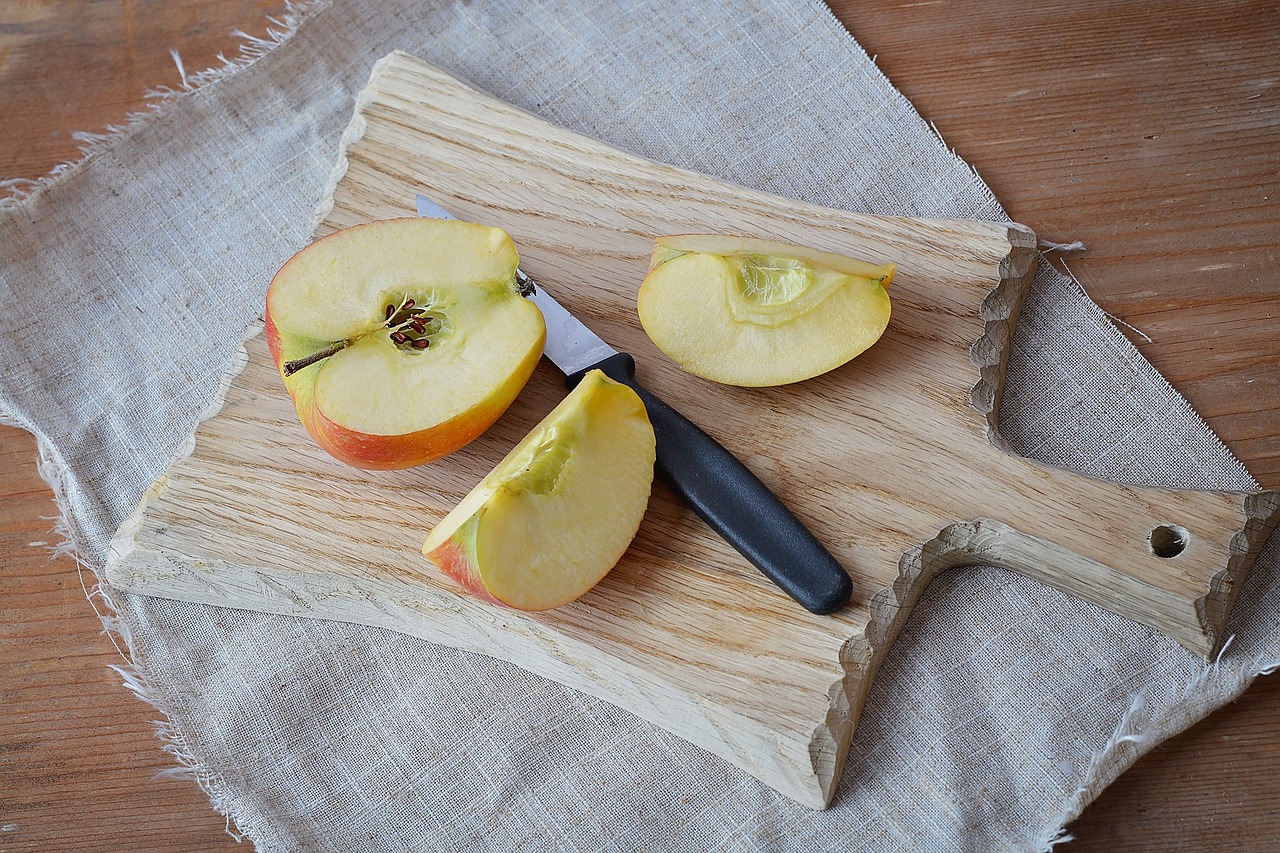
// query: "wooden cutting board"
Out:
[889,459]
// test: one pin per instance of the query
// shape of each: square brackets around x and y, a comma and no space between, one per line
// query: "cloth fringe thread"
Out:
[16,191]
[1141,728]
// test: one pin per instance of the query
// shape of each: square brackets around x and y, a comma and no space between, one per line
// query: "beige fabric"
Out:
[1004,706]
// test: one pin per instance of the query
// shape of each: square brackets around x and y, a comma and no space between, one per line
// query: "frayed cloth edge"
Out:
[116,629]
[98,594]
[16,193]
[1050,246]
[19,191]
[1140,729]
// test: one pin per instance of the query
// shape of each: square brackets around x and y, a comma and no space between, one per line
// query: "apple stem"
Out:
[524,284]
[292,367]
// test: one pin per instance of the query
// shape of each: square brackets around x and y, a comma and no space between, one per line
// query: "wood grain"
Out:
[78,753]
[221,525]
[1149,133]
[1208,789]
[78,756]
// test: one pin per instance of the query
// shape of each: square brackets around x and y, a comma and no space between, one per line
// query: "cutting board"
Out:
[892,460]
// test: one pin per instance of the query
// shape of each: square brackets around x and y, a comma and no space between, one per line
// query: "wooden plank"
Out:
[1149,132]
[78,753]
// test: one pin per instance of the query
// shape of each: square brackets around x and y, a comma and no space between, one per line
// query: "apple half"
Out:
[553,517]
[751,312]
[402,340]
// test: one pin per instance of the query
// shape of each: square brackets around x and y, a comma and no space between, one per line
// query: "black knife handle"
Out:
[734,502]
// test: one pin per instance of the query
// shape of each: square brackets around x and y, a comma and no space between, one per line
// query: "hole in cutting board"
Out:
[1169,540]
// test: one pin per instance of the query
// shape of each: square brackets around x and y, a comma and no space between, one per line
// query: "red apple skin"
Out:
[392,452]
[452,559]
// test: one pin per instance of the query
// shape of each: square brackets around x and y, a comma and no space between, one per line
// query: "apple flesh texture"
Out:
[754,312]
[379,404]
[560,510]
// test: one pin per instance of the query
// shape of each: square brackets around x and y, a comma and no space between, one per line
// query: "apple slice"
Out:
[559,511]
[756,312]
[401,340]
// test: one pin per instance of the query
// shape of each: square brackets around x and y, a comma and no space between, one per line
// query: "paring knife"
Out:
[708,477]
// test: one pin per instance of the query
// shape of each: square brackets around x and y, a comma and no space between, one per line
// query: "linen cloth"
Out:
[1004,706]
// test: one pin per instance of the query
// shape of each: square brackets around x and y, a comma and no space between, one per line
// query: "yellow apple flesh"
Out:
[551,519]
[374,293]
[754,312]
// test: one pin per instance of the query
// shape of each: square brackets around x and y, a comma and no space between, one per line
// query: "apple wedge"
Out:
[754,312]
[553,517]
[400,341]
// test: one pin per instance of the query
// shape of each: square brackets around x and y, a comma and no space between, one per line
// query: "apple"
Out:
[752,312]
[401,340]
[554,516]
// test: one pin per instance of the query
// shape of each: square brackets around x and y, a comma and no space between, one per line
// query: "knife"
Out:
[710,479]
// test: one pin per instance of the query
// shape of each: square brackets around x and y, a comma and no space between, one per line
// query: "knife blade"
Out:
[710,479]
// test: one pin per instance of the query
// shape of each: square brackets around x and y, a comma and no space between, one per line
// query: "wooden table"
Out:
[1150,131]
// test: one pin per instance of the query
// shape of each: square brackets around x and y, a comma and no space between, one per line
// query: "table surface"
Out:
[1149,131]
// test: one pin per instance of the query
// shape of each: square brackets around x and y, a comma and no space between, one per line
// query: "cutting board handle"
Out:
[1172,559]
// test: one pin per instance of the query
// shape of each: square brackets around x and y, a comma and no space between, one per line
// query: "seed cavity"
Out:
[770,290]
[412,327]
[769,280]
[538,469]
